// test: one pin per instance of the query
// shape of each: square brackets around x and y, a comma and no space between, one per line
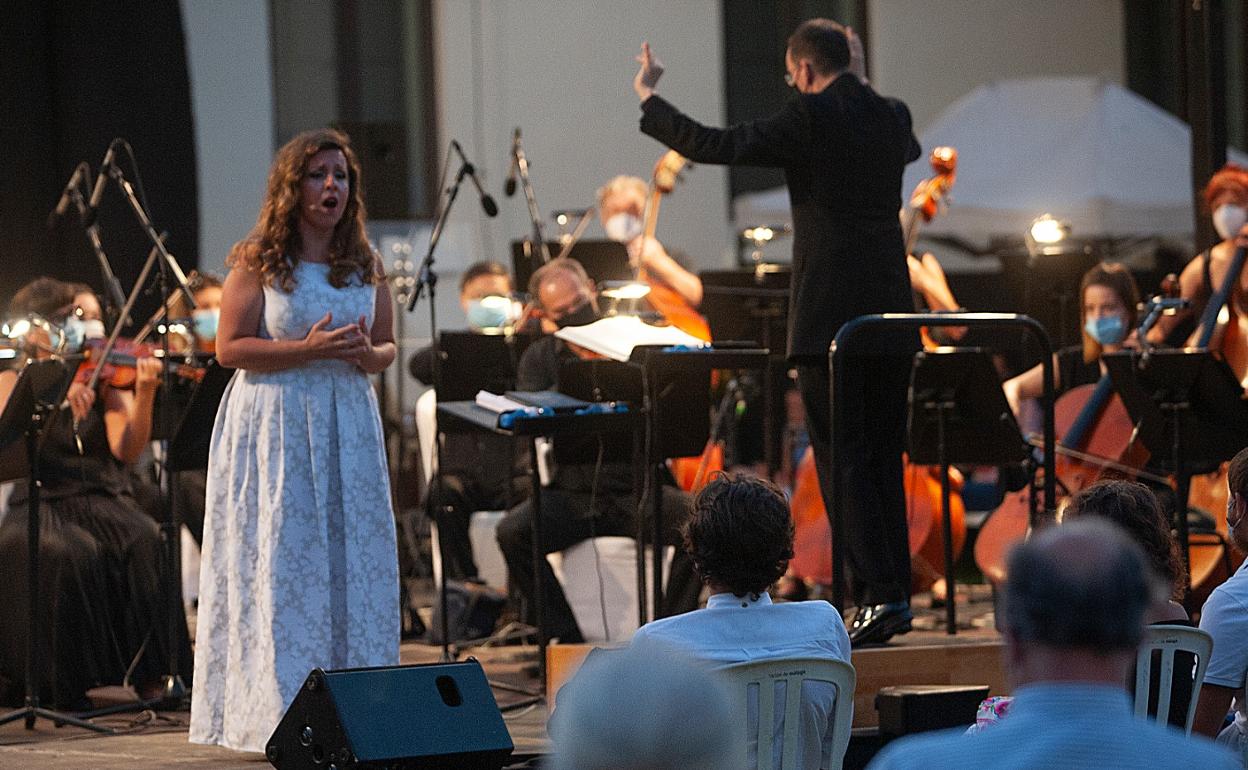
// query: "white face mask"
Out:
[622,227]
[1228,219]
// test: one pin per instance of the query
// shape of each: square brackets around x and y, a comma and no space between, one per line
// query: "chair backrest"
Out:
[793,672]
[1169,640]
[426,428]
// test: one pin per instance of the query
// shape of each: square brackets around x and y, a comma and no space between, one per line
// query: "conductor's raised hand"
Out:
[648,74]
[344,343]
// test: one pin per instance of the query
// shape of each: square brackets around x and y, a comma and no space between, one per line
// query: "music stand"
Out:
[36,397]
[188,445]
[473,362]
[753,304]
[602,260]
[959,414]
[1189,411]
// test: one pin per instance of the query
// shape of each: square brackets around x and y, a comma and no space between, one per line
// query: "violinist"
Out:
[585,500]
[1226,196]
[1108,298]
[100,553]
[621,208]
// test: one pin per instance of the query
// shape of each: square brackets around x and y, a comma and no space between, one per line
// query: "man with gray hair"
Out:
[1072,619]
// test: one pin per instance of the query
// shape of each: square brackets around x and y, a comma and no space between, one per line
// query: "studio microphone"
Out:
[97,192]
[67,195]
[509,187]
[487,203]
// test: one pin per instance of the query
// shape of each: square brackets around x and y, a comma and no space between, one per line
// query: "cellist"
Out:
[1108,298]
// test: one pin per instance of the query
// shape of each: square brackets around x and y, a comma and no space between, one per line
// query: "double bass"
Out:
[664,299]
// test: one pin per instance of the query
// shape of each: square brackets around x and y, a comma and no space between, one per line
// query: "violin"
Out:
[665,299]
[118,367]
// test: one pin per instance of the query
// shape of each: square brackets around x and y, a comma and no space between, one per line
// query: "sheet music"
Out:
[616,336]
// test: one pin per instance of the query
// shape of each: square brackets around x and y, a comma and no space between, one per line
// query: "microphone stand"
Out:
[174,690]
[426,277]
[114,298]
[522,165]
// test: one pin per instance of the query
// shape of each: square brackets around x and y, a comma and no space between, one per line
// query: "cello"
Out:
[663,298]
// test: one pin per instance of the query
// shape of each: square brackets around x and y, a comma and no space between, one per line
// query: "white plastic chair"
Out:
[1169,639]
[764,677]
[489,559]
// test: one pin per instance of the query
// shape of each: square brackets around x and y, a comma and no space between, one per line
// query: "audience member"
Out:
[646,707]
[1225,617]
[1072,618]
[1135,509]
[740,537]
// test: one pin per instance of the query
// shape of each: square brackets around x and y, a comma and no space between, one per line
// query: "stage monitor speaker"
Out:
[438,715]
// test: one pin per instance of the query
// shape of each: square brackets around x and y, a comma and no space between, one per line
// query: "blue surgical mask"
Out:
[1107,330]
[205,323]
[489,312]
[75,333]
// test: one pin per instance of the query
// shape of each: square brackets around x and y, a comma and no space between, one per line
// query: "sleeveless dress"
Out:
[299,566]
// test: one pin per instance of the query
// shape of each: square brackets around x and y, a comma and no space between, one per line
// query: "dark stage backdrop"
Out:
[75,75]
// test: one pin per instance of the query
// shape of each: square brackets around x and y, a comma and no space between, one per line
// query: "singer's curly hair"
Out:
[740,533]
[273,246]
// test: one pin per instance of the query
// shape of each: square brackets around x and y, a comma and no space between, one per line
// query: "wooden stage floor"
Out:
[157,740]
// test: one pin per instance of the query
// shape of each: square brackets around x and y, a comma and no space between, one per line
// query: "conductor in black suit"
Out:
[843,148]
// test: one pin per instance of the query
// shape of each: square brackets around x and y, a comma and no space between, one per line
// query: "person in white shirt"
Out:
[1072,618]
[1225,617]
[740,537]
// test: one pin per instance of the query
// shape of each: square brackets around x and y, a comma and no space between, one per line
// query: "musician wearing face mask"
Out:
[1226,196]
[583,500]
[100,552]
[1108,298]
[479,471]
[621,208]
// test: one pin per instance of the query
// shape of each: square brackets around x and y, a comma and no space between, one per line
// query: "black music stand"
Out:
[188,443]
[473,362]
[602,260]
[1189,411]
[35,400]
[753,304]
[959,414]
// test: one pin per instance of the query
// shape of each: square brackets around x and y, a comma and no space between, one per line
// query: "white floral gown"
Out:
[299,566]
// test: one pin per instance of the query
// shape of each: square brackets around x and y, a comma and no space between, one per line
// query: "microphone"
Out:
[509,187]
[487,203]
[98,191]
[67,195]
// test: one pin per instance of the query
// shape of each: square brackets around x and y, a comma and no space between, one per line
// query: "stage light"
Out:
[1046,230]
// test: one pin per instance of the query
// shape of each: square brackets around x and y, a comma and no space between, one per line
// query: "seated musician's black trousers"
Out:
[456,497]
[870,463]
[564,523]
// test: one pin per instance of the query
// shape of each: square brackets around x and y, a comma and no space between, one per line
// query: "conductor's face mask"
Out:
[489,313]
[1228,219]
[622,227]
[1106,329]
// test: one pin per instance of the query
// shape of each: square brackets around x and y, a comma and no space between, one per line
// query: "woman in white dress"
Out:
[299,560]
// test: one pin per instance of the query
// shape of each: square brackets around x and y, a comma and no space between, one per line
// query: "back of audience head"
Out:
[645,707]
[1074,603]
[740,534]
[1237,500]
[1136,510]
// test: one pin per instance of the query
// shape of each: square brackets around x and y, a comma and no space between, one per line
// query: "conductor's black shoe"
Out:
[876,623]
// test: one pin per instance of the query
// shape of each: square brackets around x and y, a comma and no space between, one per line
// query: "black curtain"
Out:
[75,76]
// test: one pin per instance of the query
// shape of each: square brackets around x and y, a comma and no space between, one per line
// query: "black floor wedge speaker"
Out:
[439,715]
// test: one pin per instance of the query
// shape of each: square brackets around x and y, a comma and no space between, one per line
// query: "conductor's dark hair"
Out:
[1083,585]
[823,42]
[740,534]
[478,269]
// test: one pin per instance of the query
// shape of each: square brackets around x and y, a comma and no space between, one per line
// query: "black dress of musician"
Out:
[843,148]
[102,616]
